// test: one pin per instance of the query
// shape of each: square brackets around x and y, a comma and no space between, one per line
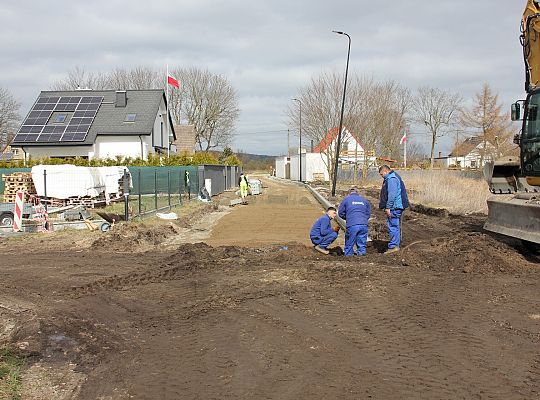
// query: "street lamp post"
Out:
[338,146]
[300,143]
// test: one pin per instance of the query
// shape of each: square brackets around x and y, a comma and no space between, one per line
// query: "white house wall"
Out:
[312,163]
[125,146]
[315,164]
[160,137]
[59,151]
[280,167]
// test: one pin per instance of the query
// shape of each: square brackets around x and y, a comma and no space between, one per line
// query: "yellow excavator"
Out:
[518,215]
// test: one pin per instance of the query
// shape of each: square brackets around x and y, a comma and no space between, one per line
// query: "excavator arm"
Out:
[530,40]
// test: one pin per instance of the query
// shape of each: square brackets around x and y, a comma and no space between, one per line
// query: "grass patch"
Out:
[441,189]
[148,203]
[458,195]
[10,375]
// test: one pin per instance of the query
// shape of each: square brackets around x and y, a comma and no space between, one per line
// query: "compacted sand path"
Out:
[284,213]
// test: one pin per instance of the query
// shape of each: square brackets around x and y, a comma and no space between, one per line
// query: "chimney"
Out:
[440,154]
[121,98]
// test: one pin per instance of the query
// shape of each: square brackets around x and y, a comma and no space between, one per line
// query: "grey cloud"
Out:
[267,49]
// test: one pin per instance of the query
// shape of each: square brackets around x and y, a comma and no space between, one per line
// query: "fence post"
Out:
[169,187]
[126,195]
[155,188]
[45,188]
[180,186]
[140,195]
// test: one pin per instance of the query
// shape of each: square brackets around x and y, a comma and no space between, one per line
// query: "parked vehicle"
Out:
[7,213]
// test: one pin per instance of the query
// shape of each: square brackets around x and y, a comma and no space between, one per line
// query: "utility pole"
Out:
[288,142]
[341,117]
[300,143]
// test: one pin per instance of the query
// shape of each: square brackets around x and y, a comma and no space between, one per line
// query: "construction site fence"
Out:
[223,177]
[147,189]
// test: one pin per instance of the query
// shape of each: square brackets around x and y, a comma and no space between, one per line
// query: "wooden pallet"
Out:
[90,202]
[16,182]
[17,177]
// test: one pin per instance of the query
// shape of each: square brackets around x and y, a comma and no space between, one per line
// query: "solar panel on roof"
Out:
[35,128]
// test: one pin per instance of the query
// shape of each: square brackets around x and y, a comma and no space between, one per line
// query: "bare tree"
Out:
[209,103]
[321,106]
[486,119]
[9,118]
[80,78]
[138,78]
[205,100]
[437,109]
[375,112]
[386,119]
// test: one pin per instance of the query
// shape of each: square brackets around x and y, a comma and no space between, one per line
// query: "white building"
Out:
[96,124]
[468,154]
[351,151]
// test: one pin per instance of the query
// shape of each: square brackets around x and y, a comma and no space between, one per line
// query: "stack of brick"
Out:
[15,182]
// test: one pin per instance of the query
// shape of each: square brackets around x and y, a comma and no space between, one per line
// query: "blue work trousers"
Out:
[394,228]
[325,241]
[356,234]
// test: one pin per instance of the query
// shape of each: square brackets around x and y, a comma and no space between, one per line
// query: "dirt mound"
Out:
[468,252]
[133,237]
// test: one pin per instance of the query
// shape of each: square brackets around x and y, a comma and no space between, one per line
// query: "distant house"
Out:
[314,165]
[351,151]
[185,138]
[96,124]
[468,154]
[10,154]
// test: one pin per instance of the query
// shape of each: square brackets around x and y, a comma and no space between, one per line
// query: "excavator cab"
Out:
[530,140]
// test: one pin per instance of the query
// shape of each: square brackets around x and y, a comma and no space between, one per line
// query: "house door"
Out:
[287,171]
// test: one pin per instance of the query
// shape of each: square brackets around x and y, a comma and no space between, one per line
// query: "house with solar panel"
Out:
[96,124]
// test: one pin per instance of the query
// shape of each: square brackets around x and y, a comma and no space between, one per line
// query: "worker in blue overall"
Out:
[393,201]
[322,233]
[355,210]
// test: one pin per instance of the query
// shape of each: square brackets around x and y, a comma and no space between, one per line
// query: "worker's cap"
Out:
[353,189]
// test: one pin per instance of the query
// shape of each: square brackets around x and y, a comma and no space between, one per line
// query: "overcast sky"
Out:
[267,49]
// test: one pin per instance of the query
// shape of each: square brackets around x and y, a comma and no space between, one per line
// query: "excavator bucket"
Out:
[515,215]
[514,210]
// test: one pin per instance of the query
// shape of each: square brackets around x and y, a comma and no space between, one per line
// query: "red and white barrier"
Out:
[17,217]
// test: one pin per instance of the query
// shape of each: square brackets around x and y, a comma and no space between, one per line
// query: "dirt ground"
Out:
[254,313]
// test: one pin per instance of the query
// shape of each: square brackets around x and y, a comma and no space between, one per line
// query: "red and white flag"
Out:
[403,139]
[173,81]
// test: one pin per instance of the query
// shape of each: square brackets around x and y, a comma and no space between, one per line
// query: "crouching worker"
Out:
[322,234]
[356,210]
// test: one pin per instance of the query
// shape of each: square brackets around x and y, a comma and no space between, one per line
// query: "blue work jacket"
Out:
[355,209]
[321,228]
[393,193]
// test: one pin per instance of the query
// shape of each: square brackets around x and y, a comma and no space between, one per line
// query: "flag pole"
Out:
[405,153]
[167,110]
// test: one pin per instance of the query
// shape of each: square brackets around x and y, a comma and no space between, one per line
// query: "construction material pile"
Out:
[64,185]
[17,181]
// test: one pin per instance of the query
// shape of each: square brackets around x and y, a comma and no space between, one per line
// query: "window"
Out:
[530,140]
[60,118]
[130,117]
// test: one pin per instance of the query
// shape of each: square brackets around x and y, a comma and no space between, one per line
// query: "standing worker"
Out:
[322,234]
[356,210]
[244,184]
[393,201]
